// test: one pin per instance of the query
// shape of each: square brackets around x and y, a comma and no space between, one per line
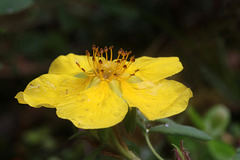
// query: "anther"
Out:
[93,47]
[120,51]
[111,47]
[83,70]
[136,70]
[132,74]
[101,50]
[106,49]
[87,53]
[133,57]
[118,61]
[93,58]
[78,64]
[98,54]
[125,66]
[97,48]
[102,71]
[100,61]
[133,60]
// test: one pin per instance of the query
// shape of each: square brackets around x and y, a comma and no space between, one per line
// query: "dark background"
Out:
[204,34]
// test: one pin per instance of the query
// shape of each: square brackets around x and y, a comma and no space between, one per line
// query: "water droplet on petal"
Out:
[166,125]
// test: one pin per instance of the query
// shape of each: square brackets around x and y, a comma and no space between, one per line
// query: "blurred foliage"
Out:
[204,34]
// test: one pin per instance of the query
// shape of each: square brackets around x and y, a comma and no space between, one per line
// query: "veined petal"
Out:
[67,64]
[165,99]
[96,107]
[155,69]
[49,90]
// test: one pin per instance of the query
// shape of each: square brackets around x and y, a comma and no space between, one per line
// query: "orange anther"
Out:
[93,47]
[106,49]
[101,50]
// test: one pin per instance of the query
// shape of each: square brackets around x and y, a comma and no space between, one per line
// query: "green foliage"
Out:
[216,120]
[237,156]
[93,154]
[13,6]
[103,135]
[220,150]
[173,128]
[203,34]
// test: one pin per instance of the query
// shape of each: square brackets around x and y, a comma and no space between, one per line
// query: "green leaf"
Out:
[195,118]
[133,147]
[13,6]
[216,120]
[170,127]
[221,150]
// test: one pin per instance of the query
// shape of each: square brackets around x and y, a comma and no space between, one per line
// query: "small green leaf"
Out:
[13,6]
[220,150]
[170,127]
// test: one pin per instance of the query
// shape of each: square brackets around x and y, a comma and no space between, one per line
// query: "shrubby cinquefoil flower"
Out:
[96,91]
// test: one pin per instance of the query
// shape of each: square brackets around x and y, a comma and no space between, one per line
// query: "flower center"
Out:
[105,67]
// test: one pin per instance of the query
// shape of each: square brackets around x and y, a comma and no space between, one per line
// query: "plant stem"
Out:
[123,151]
[151,147]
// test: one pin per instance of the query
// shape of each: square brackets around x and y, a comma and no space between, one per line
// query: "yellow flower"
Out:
[96,91]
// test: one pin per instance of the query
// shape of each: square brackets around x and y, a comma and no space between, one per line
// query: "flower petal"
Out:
[165,99]
[155,69]
[49,89]
[96,107]
[67,64]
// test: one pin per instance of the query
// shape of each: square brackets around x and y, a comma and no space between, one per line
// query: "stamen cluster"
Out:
[105,67]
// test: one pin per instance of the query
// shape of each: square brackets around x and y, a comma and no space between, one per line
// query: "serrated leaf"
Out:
[13,6]
[170,127]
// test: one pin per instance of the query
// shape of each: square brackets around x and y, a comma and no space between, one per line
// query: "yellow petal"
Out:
[49,90]
[67,64]
[155,69]
[96,107]
[165,99]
